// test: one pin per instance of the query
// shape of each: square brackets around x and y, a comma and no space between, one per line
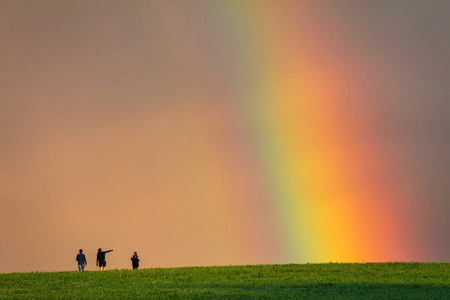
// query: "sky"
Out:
[223,132]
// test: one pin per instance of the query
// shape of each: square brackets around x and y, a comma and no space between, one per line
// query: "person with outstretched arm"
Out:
[81,259]
[101,262]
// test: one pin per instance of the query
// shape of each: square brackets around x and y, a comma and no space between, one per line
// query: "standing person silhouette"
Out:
[101,262]
[81,259]
[135,261]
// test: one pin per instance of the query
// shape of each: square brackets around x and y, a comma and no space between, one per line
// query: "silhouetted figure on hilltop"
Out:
[135,261]
[101,262]
[81,259]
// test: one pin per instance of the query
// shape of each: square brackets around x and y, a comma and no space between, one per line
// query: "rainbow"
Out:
[303,157]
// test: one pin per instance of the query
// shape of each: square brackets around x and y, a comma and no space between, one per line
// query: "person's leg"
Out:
[82,267]
[79,267]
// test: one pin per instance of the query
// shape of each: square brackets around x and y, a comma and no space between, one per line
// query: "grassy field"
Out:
[346,281]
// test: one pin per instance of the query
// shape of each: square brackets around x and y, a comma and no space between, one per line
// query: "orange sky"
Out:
[118,128]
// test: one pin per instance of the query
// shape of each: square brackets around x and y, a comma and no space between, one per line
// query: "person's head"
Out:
[99,249]
[135,254]
[81,250]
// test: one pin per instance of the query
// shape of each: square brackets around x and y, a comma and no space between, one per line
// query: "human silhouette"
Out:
[135,261]
[81,259]
[101,262]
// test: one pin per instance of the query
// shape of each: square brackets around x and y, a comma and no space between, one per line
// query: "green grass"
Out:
[323,281]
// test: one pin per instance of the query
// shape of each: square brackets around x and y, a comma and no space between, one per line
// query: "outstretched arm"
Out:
[109,250]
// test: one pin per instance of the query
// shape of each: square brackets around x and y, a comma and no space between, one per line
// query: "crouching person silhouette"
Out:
[101,262]
[81,259]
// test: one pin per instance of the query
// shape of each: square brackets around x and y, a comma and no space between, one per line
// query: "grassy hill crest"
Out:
[331,280]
